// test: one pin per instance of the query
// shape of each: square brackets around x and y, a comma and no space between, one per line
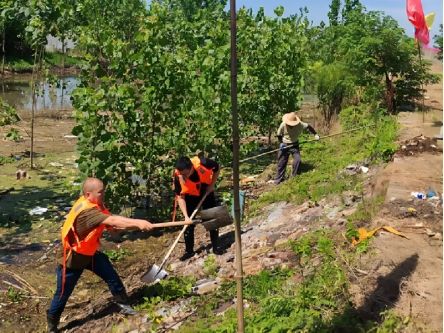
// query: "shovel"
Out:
[216,217]
[157,273]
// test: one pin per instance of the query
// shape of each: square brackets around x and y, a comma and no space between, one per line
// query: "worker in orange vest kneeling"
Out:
[81,234]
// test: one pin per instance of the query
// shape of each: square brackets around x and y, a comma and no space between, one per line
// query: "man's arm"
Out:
[120,222]
[183,207]
[312,131]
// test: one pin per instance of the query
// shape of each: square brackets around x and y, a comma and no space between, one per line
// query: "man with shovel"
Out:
[193,178]
[288,134]
[81,232]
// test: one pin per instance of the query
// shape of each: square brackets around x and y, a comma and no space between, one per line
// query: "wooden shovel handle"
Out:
[171,224]
[180,234]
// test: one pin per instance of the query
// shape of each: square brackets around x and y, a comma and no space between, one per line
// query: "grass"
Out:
[280,302]
[314,296]
[47,186]
[53,59]
[324,161]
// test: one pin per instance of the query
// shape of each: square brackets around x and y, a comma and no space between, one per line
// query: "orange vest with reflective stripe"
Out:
[193,188]
[90,244]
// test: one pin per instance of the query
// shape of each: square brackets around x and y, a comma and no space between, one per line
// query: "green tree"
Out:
[334,86]
[382,75]
[333,14]
[438,42]
[157,85]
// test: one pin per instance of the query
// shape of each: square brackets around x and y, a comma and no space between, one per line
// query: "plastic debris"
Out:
[38,211]
[364,234]
[364,169]
[418,195]
[431,193]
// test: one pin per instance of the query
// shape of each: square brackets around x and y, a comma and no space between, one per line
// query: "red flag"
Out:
[416,17]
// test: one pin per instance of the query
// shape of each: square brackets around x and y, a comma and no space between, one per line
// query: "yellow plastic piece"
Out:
[364,234]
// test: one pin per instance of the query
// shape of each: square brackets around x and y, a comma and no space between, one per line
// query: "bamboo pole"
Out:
[290,145]
[33,83]
[235,128]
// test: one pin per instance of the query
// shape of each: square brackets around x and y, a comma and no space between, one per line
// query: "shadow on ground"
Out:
[383,297]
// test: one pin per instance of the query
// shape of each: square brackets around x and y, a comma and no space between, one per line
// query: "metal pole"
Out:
[235,128]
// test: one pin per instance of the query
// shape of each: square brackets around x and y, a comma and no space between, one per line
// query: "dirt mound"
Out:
[429,212]
[417,145]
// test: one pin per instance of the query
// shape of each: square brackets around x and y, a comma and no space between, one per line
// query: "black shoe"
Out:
[218,251]
[187,255]
[52,323]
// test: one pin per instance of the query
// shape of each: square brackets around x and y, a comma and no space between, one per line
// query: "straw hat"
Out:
[291,119]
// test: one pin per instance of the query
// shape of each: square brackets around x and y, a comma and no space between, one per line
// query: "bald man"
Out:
[81,232]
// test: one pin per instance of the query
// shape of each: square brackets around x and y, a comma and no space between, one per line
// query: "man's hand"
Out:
[317,137]
[145,225]
[282,146]
[188,220]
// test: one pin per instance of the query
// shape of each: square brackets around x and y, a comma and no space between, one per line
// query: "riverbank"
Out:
[23,65]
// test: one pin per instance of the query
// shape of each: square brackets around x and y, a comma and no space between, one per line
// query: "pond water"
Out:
[17,93]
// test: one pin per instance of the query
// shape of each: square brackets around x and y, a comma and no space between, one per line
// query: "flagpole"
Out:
[422,82]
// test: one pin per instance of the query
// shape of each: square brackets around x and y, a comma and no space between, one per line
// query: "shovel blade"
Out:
[154,274]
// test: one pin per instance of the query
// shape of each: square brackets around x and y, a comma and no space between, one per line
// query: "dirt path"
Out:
[406,274]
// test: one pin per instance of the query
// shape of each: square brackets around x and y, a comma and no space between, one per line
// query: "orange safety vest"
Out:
[193,188]
[87,246]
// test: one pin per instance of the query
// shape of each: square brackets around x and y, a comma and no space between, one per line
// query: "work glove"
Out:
[317,137]
[282,146]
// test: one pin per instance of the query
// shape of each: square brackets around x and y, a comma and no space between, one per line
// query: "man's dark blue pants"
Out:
[101,266]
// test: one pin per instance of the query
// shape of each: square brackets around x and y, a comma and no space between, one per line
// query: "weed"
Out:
[14,295]
[392,323]
[165,290]
[210,265]
[116,255]
[13,135]
[6,160]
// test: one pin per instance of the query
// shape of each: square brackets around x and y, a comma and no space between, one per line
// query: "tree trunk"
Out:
[3,49]
[33,79]
[389,94]
[62,73]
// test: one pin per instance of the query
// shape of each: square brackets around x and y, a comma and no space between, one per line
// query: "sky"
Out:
[318,10]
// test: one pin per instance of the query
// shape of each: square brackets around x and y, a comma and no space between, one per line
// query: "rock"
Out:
[312,215]
[350,197]
[271,262]
[295,235]
[205,287]
[430,233]
[437,236]
[276,218]
[280,242]
[333,212]
[348,212]
[273,238]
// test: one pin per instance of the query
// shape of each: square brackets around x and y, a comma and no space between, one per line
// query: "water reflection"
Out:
[17,93]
